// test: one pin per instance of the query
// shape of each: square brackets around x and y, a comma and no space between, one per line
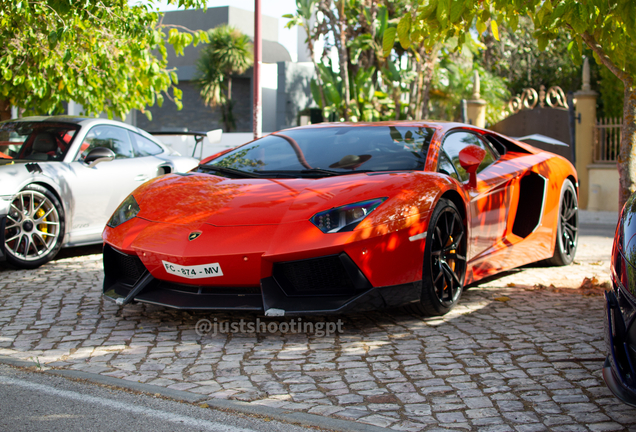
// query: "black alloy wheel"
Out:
[444,261]
[567,227]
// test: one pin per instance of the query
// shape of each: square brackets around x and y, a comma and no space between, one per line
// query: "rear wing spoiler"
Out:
[214,136]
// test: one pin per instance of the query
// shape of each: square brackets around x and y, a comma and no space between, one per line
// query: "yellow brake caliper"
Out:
[451,264]
[42,227]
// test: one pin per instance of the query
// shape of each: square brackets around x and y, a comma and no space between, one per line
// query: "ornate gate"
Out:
[544,113]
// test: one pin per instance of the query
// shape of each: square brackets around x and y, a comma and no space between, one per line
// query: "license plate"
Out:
[193,272]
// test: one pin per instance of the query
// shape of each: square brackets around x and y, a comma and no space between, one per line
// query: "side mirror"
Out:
[97,155]
[469,158]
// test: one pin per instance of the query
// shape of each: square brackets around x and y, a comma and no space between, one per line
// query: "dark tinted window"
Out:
[36,140]
[143,146]
[456,141]
[338,149]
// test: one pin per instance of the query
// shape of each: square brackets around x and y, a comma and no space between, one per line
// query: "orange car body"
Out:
[249,225]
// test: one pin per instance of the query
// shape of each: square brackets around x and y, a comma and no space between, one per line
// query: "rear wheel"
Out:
[34,227]
[567,227]
[444,261]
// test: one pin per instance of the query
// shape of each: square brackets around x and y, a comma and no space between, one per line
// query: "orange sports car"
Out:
[343,217]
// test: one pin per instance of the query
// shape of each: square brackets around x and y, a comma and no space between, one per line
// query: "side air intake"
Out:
[530,208]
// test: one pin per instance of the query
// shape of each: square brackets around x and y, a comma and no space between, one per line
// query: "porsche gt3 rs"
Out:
[342,217]
[62,177]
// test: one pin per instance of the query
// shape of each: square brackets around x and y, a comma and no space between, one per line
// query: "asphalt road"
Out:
[33,401]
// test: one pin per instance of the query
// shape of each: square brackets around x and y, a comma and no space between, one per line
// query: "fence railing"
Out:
[607,140]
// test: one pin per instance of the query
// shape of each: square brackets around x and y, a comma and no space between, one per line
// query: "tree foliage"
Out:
[106,55]
[454,81]
[608,28]
[354,80]
[229,52]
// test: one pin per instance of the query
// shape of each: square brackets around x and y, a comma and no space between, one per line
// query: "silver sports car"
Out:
[62,177]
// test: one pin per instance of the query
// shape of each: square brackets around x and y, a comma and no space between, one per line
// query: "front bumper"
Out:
[619,370]
[330,284]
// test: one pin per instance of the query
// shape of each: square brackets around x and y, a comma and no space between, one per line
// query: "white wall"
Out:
[185,144]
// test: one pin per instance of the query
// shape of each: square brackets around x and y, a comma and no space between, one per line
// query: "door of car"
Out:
[490,199]
[98,190]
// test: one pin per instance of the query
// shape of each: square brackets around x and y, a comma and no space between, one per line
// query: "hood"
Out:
[219,201]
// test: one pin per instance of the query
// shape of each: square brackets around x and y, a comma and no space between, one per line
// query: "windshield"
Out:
[42,141]
[329,151]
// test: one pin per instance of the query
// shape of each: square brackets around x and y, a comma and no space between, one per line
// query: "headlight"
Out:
[344,218]
[125,212]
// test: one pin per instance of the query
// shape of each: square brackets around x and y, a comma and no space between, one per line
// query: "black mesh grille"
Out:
[130,268]
[324,275]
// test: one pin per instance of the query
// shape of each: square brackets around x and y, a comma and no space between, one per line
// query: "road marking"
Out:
[167,416]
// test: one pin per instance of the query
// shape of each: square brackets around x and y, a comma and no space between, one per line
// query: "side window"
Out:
[456,141]
[111,137]
[143,146]
[446,167]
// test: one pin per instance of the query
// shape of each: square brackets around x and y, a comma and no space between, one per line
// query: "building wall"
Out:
[294,92]
[195,115]
[603,190]
[213,17]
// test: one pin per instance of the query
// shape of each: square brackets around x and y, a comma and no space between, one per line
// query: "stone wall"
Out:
[195,115]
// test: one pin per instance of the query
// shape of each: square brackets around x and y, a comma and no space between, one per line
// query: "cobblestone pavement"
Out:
[517,354]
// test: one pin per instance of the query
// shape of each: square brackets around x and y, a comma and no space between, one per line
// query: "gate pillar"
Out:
[476,107]
[584,130]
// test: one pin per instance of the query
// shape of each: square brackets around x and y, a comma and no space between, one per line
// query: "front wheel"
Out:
[444,261]
[34,227]
[567,227]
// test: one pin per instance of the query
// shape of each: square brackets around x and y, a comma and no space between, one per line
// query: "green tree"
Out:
[228,53]
[106,55]
[517,58]
[454,81]
[353,29]
[608,28]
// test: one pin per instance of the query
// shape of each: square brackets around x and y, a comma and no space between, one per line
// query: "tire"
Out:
[444,266]
[34,227]
[567,227]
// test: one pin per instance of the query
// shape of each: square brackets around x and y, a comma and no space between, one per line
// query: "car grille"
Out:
[126,269]
[325,275]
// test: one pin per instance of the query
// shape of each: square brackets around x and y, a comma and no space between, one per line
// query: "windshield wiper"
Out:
[321,171]
[302,173]
[230,171]
[334,173]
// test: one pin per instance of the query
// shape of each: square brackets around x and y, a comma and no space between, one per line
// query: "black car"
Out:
[619,370]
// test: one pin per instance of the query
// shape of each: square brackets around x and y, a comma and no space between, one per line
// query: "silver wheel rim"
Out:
[32,227]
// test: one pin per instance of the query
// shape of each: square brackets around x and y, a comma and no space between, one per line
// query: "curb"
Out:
[296,417]
[283,415]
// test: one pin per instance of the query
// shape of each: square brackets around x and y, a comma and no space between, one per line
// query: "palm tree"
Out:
[229,53]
